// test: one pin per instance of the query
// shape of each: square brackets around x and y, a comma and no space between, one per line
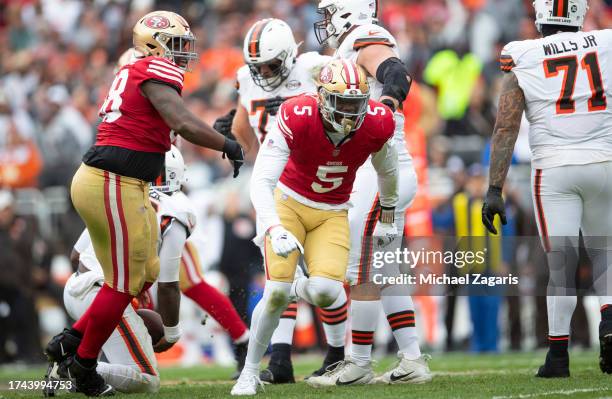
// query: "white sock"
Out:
[364,316]
[263,322]
[334,320]
[400,315]
[127,379]
[284,332]
[605,300]
[560,311]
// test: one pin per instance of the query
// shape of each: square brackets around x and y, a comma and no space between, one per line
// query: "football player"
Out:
[273,73]
[562,83]
[142,111]
[300,188]
[350,27]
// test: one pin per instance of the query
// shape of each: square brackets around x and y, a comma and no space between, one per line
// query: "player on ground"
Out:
[313,154]
[142,111]
[350,27]
[562,83]
[273,73]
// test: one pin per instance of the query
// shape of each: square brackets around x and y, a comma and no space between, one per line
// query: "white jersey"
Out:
[253,98]
[170,208]
[363,36]
[567,82]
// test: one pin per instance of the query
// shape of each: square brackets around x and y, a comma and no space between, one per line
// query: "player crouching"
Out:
[301,184]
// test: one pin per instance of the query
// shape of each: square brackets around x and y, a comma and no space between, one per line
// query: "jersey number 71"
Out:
[569,64]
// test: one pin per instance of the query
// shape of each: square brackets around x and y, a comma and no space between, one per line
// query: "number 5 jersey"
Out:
[567,82]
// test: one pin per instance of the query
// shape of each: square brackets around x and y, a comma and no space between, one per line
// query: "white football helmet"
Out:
[270,42]
[560,12]
[341,15]
[172,176]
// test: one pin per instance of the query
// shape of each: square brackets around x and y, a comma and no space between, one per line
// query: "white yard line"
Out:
[566,392]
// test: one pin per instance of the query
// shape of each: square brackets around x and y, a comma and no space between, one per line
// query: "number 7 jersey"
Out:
[567,82]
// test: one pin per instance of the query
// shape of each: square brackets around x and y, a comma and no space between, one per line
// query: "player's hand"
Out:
[273,104]
[390,102]
[223,124]
[162,345]
[283,242]
[234,153]
[493,205]
[385,230]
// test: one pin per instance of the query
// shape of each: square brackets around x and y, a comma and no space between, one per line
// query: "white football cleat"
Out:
[246,385]
[344,373]
[407,372]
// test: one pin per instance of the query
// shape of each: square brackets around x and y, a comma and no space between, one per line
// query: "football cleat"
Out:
[87,380]
[407,372]
[280,369]
[333,356]
[554,367]
[240,352]
[247,385]
[605,346]
[62,346]
[345,372]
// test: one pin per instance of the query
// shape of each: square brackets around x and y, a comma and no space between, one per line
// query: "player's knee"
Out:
[276,295]
[324,291]
[153,383]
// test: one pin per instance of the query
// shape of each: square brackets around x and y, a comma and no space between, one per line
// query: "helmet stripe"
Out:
[560,8]
[255,36]
[349,73]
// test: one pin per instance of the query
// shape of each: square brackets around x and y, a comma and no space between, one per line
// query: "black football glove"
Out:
[273,103]
[493,205]
[223,124]
[389,104]
[234,153]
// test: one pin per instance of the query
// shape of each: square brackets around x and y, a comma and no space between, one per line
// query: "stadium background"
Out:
[56,63]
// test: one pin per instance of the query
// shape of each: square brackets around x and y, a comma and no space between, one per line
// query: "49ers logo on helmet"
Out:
[157,22]
[326,75]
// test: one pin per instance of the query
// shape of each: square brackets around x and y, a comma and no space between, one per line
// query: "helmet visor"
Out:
[270,74]
[181,49]
[345,112]
[324,28]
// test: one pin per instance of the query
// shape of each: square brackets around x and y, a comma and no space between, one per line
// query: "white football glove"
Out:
[385,230]
[283,242]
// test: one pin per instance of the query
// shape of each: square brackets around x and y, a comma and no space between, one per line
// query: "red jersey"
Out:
[129,119]
[317,169]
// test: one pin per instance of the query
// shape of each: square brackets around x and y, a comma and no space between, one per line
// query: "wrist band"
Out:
[172,334]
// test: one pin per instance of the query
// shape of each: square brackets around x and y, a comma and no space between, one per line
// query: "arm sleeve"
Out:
[83,242]
[270,163]
[385,163]
[170,253]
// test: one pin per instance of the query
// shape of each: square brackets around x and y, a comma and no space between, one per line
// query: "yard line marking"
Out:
[566,392]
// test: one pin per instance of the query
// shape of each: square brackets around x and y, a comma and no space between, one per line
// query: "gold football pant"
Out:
[323,234]
[122,225]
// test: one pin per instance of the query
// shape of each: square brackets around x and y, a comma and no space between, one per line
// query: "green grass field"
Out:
[456,376]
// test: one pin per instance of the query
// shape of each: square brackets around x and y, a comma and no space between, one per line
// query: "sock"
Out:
[219,307]
[364,316]
[263,322]
[127,379]
[558,344]
[334,321]
[81,324]
[281,353]
[104,315]
[400,315]
[560,311]
[286,325]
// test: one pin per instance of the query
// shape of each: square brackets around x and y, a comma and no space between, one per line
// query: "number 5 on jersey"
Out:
[110,108]
[322,175]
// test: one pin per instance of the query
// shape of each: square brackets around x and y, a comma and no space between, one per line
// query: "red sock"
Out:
[81,324]
[104,315]
[219,307]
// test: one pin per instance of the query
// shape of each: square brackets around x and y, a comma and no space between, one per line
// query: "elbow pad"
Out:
[393,74]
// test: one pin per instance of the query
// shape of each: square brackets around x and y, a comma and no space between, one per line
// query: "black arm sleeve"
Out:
[393,74]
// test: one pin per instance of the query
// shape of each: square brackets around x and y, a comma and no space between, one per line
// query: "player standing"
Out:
[142,111]
[273,73]
[350,27]
[300,189]
[562,83]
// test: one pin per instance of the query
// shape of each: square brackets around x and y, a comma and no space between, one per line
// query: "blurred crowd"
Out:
[58,59]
